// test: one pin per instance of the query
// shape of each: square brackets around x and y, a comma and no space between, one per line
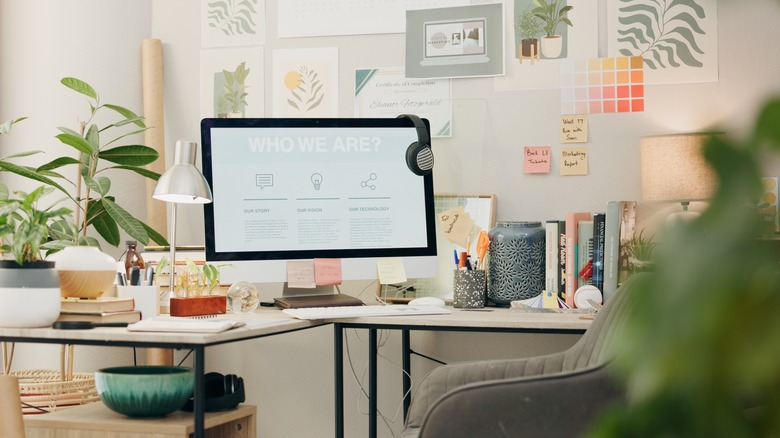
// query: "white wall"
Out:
[290,377]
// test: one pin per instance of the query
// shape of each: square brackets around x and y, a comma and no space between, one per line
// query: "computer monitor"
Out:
[298,189]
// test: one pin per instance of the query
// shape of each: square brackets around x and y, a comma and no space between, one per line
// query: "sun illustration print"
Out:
[305,89]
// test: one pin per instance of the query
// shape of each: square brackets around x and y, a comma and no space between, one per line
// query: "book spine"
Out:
[626,233]
[584,253]
[572,219]
[551,256]
[599,234]
[611,248]
[562,260]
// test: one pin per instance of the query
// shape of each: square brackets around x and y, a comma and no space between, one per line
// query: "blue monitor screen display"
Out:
[290,189]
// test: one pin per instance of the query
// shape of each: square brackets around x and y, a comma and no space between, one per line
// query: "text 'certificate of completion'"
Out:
[386,92]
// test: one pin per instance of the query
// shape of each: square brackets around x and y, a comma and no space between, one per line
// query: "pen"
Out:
[150,276]
[455,253]
[135,276]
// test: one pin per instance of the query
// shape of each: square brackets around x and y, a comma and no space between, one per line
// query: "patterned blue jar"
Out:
[516,261]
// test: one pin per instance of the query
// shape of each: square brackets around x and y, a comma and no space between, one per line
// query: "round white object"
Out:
[585,293]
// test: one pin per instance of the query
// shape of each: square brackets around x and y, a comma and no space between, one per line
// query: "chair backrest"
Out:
[597,344]
[11,420]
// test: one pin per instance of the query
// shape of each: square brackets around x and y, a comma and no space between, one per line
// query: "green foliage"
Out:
[232,17]
[663,33]
[234,96]
[193,280]
[89,191]
[700,355]
[528,26]
[552,14]
[309,93]
[24,227]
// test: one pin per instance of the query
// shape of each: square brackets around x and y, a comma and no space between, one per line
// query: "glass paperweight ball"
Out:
[242,297]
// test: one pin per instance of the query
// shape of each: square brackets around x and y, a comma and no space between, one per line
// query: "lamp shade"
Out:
[674,169]
[183,183]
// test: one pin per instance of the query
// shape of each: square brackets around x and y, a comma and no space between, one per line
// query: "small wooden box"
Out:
[95,420]
[197,306]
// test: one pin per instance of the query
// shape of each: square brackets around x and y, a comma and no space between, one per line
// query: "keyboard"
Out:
[361,311]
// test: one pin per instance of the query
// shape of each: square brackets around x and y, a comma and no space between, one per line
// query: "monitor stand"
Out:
[321,296]
[288,291]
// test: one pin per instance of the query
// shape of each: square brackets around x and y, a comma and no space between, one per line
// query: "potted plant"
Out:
[235,90]
[552,14]
[528,28]
[29,285]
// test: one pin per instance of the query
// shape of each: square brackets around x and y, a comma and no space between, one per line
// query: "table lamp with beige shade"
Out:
[674,170]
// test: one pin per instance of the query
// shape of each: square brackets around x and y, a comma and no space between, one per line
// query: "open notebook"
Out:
[184,325]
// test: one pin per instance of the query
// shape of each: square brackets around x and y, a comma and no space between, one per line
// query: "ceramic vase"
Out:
[552,46]
[516,263]
[84,271]
[29,294]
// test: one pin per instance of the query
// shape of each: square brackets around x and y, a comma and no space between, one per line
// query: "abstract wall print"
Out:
[231,83]
[305,83]
[676,38]
[545,33]
[602,85]
[231,23]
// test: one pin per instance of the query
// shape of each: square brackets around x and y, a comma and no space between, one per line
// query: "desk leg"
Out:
[199,393]
[372,386]
[338,378]
[407,370]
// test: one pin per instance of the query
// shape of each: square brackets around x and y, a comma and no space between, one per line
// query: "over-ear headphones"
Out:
[419,155]
[222,392]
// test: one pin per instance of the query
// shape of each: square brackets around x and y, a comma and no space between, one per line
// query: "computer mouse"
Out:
[427,301]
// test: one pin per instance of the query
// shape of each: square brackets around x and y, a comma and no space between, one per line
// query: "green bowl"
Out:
[144,391]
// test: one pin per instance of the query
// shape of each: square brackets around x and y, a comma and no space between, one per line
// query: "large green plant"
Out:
[701,355]
[89,191]
[552,14]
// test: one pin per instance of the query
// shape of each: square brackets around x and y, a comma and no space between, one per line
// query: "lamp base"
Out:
[198,306]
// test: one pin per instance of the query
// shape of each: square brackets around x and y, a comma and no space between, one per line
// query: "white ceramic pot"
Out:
[29,296]
[552,46]
[84,271]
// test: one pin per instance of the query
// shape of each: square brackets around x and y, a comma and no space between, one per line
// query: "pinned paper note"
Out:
[391,270]
[549,300]
[574,161]
[574,129]
[456,225]
[300,274]
[327,272]
[536,159]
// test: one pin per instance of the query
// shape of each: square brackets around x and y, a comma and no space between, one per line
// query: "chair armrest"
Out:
[554,405]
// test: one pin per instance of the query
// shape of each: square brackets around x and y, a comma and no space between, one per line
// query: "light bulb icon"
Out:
[316,180]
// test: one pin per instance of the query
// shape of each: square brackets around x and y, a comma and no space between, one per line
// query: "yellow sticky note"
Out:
[300,274]
[456,225]
[391,271]
[574,128]
[549,300]
[327,272]
[574,161]
[536,159]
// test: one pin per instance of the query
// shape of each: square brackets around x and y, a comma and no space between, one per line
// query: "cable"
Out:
[185,357]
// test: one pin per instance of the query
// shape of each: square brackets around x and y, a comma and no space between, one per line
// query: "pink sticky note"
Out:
[536,159]
[327,272]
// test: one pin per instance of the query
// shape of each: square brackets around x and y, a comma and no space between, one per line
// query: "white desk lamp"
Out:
[181,184]
[674,170]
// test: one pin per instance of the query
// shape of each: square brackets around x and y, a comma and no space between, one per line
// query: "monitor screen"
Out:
[293,189]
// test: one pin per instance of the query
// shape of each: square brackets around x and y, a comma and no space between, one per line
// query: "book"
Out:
[126,316]
[97,305]
[572,221]
[551,265]
[599,225]
[619,221]
[562,260]
[584,253]
[184,325]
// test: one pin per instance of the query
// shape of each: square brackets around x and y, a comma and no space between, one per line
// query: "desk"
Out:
[486,320]
[197,342]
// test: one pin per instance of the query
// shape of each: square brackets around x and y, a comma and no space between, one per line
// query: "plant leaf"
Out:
[144,172]
[131,155]
[127,114]
[77,142]
[155,236]
[59,162]
[126,221]
[31,174]
[79,86]
[107,228]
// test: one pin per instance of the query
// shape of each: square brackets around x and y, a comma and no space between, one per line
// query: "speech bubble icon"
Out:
[264,180]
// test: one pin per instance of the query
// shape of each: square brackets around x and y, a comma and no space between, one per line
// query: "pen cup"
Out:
[468,289]
[146,298]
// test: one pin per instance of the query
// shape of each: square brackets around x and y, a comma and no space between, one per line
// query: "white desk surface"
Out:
[266,322]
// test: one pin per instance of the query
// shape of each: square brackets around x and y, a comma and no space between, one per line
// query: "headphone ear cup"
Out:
[214,384]
[419,159]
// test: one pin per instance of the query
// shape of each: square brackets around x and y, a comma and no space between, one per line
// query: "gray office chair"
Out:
[556,395]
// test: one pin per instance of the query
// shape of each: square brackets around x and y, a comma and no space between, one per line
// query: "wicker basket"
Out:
[45,390]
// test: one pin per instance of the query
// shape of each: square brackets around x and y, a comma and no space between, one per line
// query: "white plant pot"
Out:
[29,296]
[84,271]
[552,46]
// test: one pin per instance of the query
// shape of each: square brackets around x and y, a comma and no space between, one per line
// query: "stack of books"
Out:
[99,310]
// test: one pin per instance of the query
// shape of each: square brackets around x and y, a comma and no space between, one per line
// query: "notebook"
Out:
[327,300]
[184,325]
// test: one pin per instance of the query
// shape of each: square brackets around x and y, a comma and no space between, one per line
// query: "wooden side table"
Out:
[95,420]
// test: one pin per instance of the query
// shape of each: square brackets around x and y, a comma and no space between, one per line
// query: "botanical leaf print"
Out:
[305,88]
[232,17]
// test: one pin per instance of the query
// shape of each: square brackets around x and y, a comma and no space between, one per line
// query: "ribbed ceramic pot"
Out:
[516,264]
[29,294]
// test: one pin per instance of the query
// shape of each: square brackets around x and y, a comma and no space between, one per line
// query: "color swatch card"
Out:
[602,85]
